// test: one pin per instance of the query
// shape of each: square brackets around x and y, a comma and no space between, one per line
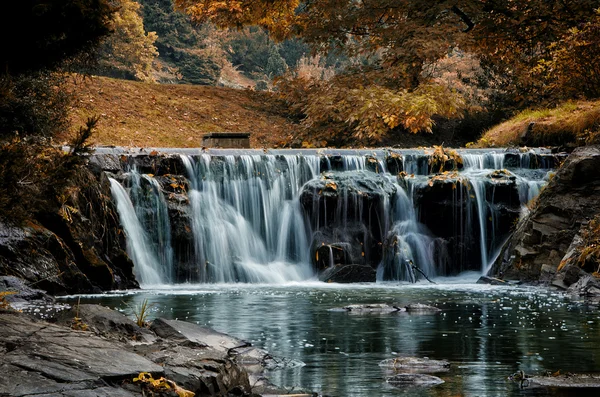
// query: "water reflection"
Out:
[486,332]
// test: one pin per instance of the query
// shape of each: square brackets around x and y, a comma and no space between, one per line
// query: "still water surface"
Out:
[486,332]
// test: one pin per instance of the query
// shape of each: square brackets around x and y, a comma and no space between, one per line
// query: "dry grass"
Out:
[572,123]
[161,115]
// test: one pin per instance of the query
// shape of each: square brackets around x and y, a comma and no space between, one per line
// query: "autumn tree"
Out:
[402,38]
[41,40]
[129,51]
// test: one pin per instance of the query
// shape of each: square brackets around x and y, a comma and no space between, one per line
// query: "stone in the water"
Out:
[421,308]
[491,281]
[373,308]
[566,381]
[349,274]
[416,364]
[404,380]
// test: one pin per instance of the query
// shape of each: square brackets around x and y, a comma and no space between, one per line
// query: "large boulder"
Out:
[448,206]
[351,209]
[544,236]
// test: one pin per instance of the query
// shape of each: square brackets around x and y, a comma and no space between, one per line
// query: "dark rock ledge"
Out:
[38,358]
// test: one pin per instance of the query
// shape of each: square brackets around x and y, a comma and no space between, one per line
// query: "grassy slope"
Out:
[572,123]
[154,115]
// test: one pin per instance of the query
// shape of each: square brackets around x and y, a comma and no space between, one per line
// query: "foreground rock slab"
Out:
[39,358]
[108,350]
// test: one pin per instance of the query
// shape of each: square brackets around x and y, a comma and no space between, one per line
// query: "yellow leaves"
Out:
[160,385]
[331,185]
[3,302]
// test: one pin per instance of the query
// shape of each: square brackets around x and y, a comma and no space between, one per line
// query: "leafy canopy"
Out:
[401,38]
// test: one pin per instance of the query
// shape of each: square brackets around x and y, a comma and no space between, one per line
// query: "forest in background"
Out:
[382,71]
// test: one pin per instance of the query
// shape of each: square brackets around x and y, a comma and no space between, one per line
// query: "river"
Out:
[486,332]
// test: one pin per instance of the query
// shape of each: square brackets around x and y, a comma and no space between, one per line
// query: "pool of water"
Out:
[486,332]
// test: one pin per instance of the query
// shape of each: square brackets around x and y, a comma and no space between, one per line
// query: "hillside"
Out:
[159,115]
[569,124]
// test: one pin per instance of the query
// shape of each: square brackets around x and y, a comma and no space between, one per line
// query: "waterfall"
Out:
[259,217]
[147,268]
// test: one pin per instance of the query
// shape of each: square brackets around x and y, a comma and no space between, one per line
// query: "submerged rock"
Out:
[373,308]
[416,364]
[421,308]
[407,380]
[566,381]
[413,308]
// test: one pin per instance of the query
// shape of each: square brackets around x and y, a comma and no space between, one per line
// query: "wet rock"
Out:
[51,359]
[421,308]
[35,254]
[491,281]
[544,236]
[349,208]
[156,163]
[407,380]
[334,254]
[349,274]
[105,162]
[566,381]
[38,358]
[547,273]
[192,335]
[415,364]
[24,293]
[587,286]
[373,308]
[102,321]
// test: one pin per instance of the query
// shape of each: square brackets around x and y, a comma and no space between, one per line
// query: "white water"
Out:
[248,225]
[148,269]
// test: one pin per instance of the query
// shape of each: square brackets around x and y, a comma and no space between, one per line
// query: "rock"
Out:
[102,321]
[447,203]
[332,254]
[192,335]
[23,291]
[421,308]
[570,274]
[77,248]
[349,208]
[566,381]
[373,308]
[35,254]
[491,281]
[51,358]
[349,274]
[407,380]
[416,364]
[587,286]
[543,237]
[42,359]
[547,273]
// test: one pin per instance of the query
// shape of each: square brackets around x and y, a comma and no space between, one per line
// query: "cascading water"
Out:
[250,216]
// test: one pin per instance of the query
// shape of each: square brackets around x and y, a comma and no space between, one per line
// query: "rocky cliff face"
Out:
[77,249]
[547,242]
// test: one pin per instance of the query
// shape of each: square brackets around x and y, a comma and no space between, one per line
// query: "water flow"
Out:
[247,222]
[254,218]
[147,266]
